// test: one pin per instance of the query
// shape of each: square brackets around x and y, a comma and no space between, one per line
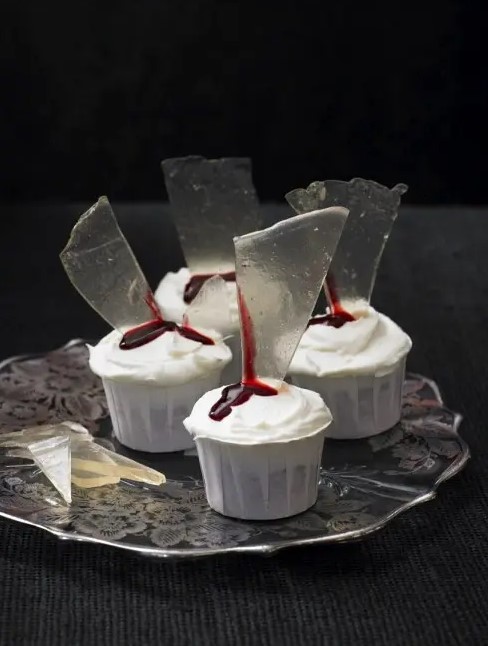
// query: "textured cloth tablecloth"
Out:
[423,579]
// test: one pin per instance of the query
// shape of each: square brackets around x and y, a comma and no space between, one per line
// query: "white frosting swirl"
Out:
[170,292]
[371,343]
[168,360]
[292,414]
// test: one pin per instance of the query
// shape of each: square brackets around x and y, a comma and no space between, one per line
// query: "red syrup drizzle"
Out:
[147,332]
[196,282]
[153,306]
[240,393]
[338,316]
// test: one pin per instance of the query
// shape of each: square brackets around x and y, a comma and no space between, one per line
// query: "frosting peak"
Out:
[372,342]
[350,338]
[168,360]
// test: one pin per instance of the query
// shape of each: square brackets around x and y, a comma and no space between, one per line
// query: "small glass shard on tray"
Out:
[280,272]
[48,447]
[53,457]
[66,451]
[87,480]
[373,209]
[212,200]
[35,433]
[101,265]
[91,459]
[14,460]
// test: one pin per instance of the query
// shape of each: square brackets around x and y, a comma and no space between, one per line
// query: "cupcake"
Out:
[262,460]
[152,369]
[260,440]
[354,356]
[151,388]
[211,200]
[357,368]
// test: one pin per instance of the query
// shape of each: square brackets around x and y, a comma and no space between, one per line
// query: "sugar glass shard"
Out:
[210,309]
[53,457]
[86,463]
[86,480]
[280,272]
[212,200]
[82,473]
[373,209]
[103,268]
[15,458]
[31,434]
[91,459]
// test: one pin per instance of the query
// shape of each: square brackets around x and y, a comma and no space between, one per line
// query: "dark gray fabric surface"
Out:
[421,580]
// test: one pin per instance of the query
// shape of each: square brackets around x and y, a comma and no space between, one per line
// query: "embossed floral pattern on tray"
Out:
[364,483]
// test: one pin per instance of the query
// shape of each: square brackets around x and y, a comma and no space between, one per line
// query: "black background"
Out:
[95,94]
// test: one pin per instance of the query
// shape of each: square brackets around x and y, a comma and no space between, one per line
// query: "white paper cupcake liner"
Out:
[261,481]
[232,372]
[150,418]
[362,405]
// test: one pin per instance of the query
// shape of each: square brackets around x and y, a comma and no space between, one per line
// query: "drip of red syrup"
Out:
[196,282]
[147,332]
[338,316]
[153,306]
[240,393]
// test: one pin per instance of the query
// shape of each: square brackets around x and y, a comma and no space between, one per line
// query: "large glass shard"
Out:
[373,209]
[212,200]
[103,268]
[279,272]
[53,457]
[210,309]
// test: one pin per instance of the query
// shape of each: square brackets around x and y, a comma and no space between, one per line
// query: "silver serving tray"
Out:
[364,483]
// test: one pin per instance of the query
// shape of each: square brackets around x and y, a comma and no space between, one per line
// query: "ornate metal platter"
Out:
[364,483]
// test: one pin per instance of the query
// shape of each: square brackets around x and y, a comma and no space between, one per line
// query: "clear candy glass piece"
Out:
[90,464]
[279,272]
[90,460]
[86,480]
[88,471]
[35,433]
[101,265]
[373,209]
[210,309]
[212,200]
[53,457]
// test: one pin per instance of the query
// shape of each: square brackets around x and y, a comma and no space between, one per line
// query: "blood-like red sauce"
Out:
[337,316]
[147,332]
[196,282]
[153,306]
[240,393]
[332,320]
[236,395]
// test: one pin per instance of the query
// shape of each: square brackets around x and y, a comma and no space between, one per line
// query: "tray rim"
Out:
[263,549]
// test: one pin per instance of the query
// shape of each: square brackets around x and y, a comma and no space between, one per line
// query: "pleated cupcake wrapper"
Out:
[264,481]
[232,372]
[150,418]
[362,405]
